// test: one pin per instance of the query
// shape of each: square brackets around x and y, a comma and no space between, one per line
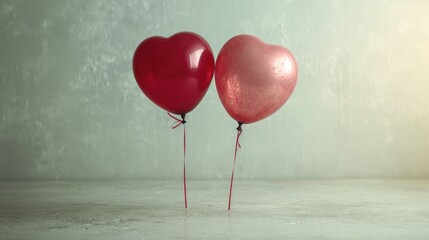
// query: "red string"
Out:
[177,122]
[237,145]
[184,165]
[173,126]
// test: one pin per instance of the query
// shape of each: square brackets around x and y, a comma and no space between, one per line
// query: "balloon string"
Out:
[173,126]
[184,166]
[237,145]
[177,122]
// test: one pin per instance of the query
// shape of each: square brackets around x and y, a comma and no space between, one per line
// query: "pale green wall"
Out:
[70,108]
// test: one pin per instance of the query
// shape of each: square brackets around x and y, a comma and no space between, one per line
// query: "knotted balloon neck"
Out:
[239,126]
[178,121]
[173,126]
[183,115]
[239,131]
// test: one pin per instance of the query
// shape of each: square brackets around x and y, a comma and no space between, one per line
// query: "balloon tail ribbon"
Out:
[237,145]
[174,125]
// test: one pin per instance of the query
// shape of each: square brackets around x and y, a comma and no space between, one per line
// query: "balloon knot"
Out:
[178,121]
[183,115]
[239,127]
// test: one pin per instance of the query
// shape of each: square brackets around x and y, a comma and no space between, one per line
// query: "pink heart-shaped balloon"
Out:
[254,79]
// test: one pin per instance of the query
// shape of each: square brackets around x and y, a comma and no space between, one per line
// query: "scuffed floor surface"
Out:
[340,209]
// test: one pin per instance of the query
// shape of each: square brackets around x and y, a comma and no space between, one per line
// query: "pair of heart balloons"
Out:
[253,79]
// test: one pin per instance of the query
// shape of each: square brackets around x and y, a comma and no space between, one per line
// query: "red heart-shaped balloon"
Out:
[174,72]
[254,79]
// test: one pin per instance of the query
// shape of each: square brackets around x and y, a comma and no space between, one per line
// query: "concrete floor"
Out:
[340,209]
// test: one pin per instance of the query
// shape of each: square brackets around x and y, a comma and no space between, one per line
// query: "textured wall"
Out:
[70,108]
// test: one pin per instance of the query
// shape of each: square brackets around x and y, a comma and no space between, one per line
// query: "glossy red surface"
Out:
[174,72]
